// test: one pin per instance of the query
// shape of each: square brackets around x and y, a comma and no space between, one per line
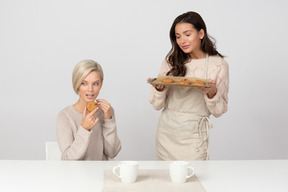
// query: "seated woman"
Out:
[84,135]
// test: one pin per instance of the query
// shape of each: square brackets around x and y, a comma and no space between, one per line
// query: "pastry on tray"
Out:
[198,83]
[184,82]
[167,80]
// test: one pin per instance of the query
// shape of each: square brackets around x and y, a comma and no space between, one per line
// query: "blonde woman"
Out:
[83,135]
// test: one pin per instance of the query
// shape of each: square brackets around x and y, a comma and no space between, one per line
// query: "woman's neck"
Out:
[79,106]
[197,55]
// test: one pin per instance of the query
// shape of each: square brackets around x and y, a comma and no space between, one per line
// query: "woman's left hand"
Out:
[211,90]
[106,108]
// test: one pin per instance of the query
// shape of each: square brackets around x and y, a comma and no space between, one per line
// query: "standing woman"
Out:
[83,135]
[183,129]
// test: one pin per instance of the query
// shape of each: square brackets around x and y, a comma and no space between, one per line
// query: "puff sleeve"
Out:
[158,98]
[219,103]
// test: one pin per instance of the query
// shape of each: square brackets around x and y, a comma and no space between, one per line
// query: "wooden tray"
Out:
[157,81]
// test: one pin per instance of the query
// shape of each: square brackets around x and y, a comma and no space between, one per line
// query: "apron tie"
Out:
[208,125]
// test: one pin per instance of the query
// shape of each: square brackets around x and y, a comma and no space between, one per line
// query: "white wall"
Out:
[41,41]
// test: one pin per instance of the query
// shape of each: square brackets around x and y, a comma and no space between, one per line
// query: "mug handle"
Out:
[115,169]
[192,169]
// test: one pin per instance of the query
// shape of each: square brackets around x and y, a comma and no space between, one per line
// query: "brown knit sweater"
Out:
[76,143]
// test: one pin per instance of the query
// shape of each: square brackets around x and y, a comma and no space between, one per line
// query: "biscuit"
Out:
[91,106]
[185,82]
[198,83]
[167,80]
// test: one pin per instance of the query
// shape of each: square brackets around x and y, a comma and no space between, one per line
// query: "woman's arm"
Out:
[218,104]
[71,148]
[112,144]
[157,96]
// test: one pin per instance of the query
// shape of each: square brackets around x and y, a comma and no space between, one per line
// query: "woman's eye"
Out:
[95,84]
[83,83]
[177,37]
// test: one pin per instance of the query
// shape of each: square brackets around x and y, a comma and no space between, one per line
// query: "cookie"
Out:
[167,80]
[198,83]
[91,106]
[185,82]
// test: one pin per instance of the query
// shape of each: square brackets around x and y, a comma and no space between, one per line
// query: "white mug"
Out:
[179,171]
[127,171]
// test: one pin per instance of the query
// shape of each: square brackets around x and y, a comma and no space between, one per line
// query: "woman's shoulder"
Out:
[218,61]
[165,67]
[67,111]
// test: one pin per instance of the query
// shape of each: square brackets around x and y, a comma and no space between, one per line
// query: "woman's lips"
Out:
[90,96]
[185,47]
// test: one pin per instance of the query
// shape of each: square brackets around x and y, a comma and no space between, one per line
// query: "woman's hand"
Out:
[211,90]
[88,119]
[157,87]
[106,108]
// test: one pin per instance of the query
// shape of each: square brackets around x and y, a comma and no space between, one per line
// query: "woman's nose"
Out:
[90,87]
[183,40]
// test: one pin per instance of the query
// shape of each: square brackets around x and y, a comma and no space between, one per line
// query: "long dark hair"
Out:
[176,57]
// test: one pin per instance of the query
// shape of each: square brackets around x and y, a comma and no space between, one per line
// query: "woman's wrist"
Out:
[159,88]
[210,95]
[108,117]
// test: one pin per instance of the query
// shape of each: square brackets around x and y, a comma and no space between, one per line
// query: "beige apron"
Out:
[184,124]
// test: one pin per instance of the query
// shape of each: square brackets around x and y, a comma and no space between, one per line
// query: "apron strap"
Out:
[206,66]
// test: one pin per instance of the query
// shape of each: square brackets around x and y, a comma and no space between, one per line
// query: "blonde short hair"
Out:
[82,69]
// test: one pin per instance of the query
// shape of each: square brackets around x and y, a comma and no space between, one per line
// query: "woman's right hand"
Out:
[157,87]
[88,119]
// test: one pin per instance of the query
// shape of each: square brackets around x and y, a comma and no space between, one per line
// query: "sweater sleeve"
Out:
[219,103]
[158,98]
[71,148]
[112,144]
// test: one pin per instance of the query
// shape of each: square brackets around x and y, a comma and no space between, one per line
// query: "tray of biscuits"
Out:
[180,81]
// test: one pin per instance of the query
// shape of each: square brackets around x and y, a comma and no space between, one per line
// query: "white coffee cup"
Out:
[127,171]
[179,171]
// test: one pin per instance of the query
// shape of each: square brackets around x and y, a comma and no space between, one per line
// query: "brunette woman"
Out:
[183,129]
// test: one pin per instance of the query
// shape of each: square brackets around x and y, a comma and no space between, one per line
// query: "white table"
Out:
[70,176]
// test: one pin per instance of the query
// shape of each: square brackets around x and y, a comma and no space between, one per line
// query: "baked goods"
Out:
[184,82]
[91,106]
[167,80]
[198,83]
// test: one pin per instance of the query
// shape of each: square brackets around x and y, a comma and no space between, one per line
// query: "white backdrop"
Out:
[41,41]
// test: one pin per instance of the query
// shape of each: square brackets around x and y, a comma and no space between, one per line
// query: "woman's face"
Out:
[188,38]
[90,87]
